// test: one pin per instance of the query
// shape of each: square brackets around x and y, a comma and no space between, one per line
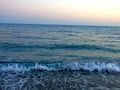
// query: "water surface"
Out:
[36,52]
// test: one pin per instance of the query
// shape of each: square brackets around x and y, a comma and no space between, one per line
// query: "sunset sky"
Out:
[76,12]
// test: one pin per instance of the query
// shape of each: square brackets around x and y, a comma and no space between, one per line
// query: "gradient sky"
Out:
[77,12]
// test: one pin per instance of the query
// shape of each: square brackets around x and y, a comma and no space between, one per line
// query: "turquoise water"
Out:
[60,48]
[53,43]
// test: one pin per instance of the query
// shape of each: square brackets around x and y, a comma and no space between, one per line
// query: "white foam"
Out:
[102,66]
[13,67]
[112,67]
[38,66]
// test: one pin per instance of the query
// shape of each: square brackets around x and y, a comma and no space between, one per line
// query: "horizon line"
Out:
[61,24]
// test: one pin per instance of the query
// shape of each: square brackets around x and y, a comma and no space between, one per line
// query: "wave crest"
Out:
[64,66]
[15,46]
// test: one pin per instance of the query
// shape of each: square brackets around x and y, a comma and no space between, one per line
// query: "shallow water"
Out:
[63,57]
[63,80]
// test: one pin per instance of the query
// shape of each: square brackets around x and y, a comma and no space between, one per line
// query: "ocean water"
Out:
[59,57]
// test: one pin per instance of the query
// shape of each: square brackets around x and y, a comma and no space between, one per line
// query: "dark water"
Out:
[70,57]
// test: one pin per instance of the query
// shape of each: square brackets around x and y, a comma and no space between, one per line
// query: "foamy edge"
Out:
[65,66]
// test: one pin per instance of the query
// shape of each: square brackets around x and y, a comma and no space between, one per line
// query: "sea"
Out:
[59,57]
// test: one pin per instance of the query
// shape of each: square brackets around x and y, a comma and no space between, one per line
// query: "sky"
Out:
[73,12]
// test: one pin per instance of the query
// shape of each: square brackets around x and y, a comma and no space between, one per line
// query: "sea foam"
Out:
[64,66]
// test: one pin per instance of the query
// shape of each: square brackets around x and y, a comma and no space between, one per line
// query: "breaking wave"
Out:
[64,66]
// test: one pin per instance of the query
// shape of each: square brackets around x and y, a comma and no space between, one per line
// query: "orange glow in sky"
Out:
[95,12]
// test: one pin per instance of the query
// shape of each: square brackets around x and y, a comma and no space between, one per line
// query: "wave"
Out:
[15,46]
[63,66]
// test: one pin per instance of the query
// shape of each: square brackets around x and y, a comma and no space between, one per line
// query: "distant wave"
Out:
[65,66]
[35,37]
[13,46]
